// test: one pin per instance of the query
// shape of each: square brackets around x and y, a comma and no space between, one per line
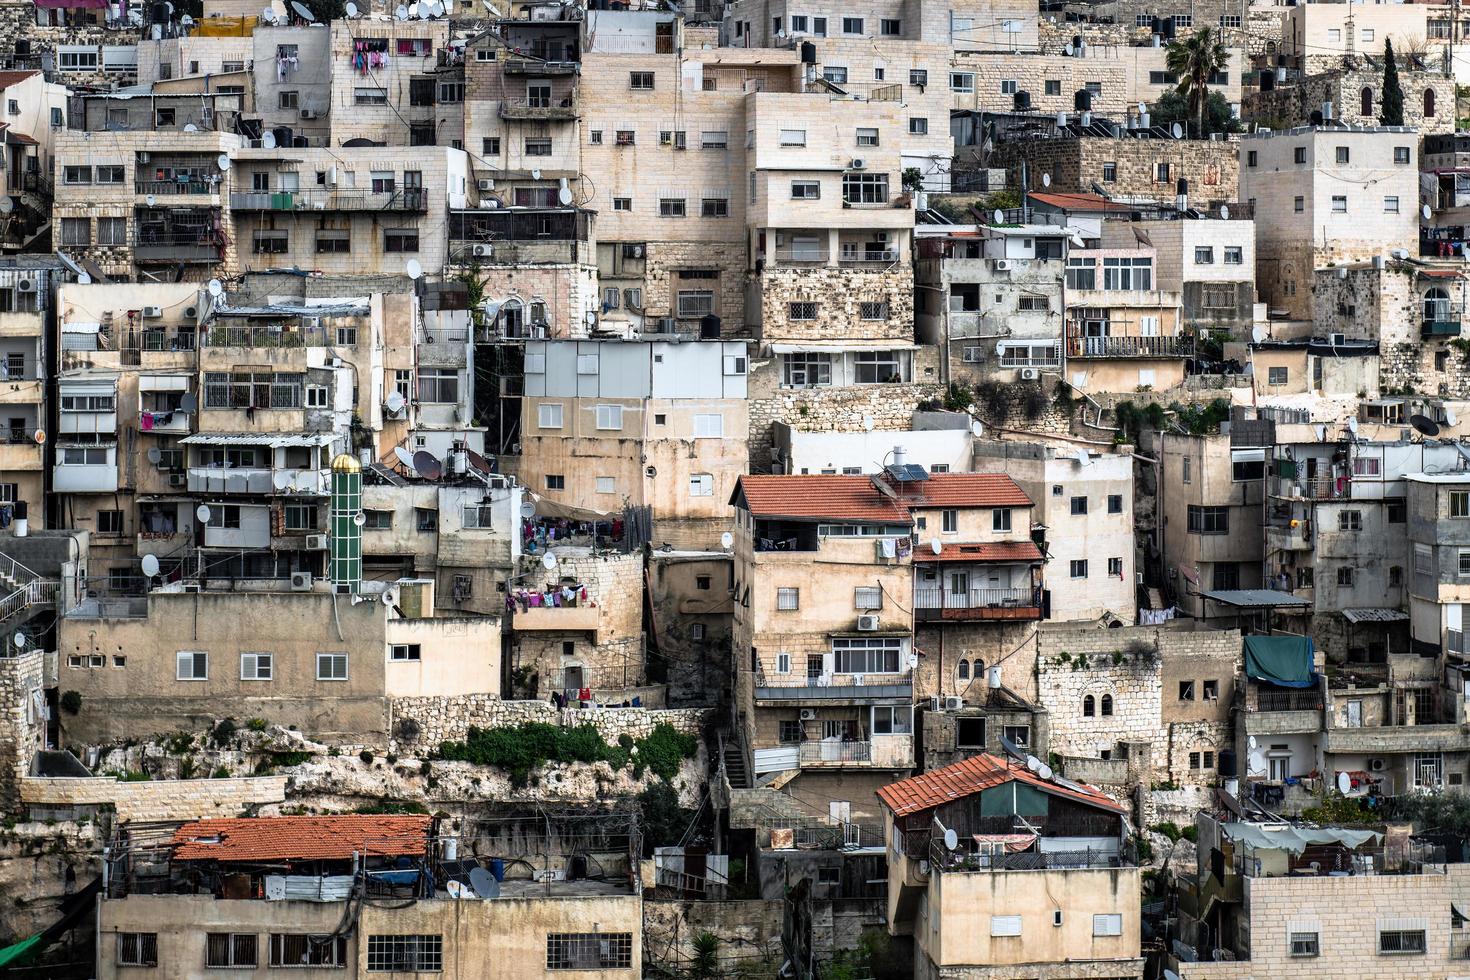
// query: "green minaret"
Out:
[346,568]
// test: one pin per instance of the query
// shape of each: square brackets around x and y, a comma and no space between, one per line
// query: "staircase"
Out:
[735,768]
[23,593]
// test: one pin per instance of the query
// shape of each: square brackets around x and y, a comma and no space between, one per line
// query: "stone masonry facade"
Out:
[838,293]
[163,799]
[22,730]
[1293,105]
[1076,163]
[450,719]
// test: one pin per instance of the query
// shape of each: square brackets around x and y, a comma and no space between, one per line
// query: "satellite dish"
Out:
[215,287]
[190,128]
[150,565]
[999,216]
[935,546]
[268,141]
[1083,458]
[1142,108]
[222,161]
[437,9]
[1427,212]
[548,561]
[1251,743]
[951,839]
[1009,748]
[1079,241]
[21,640]
[150,200]
[1170,975]
[1046,180]
[186,20]
[202,512]
[528,510]
[351,9]
[154,455]
[1258,334]
[564,196]
[1224,213]
[414,268]
[483,883]
[1033,763]
[401,13]
[1177,131]
[394,401]
[1353,424]
[477,461]
[39,435]
[427,465]
[536,174]
[1045,771]
[268,15]
[1344,783]
[359,518]
[1424,425]
[303,12]
[403,456]
[281,479]
[726,540]
[188,403]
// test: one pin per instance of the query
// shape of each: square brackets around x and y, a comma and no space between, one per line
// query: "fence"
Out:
[937,597]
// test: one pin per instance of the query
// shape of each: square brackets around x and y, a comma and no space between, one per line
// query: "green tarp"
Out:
[11,955]
[1281,660]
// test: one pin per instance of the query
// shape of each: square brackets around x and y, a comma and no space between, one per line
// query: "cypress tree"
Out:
[1393,92]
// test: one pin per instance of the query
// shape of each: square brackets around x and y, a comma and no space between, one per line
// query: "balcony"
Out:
[22,325]
[414,199]
[1078,346]
[1397,739]
[938,603]
[265,335]
[1439,328]
[547,252]
[20,455]
[555,619]
[867,259]
[17,391]
[176,188]
[539,111]
[1288,538]
[255,480]
[882,751]
[164,423]
[534,66]
[833,688]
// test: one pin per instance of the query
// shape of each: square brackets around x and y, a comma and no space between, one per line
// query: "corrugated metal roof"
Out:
[273,440]
[973,775]
[1255,598]
[1372,615]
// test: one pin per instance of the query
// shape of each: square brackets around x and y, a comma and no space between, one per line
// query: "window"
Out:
[1393,941]
[1115,567]
[1204,255]
[962,81]
[640,80]
[1186,690]
[867,137]
[333,242]
[1305,944]
[1107,924]
[873,310]
[1339,203]
[834,74]
[1128,273]
[867,655]
[788,599]
[556,481]
[110,522]
[1208,520]
[490,146]
[1345,577]
[867,597]
[302,950]
[230,949]
[607,484]
[1211,690]
[890,28]
[1299,204]
[609,416]
[1089,706]
[1115,503]
[76,175]
[622,204]
[709,426]
[1109,172]
[1429,103]
[300,516]
[255,666]
[1342,154]
[805,190]
[793,137]
[672,207]
[1350,520]
[865,188]
[852,25]
[819,26]
[918,77]
[191,665]
[401,240]
[880,367]
[1079,506]
[331,666]
[378,520]
[137,949]
[802,311]
[76,231]
[1079,568]
[589,950]
[701,485]
[625,137]
[1234,255]
[1276,375]
[896,719]
[1005,925]
[788,731]
[798,23]
[369,96]
[405,651]
[548,415]
[918,126]
[1459,503]
[714,139]
[405,954]
[1000,519]
[73,59]
[1401,154]
[970,732]
[950,521]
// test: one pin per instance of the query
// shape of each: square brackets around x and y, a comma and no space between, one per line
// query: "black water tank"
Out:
[1166,29]
[1082,100]
[709,327]
[1227,763]
[1023,101]
[1316,117]
[1268,80]
[808,53]
[1181,186]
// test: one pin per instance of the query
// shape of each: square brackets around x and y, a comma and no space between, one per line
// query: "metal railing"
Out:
[1130,346]
[40,592]
[870,679]
[943,859]
[867,258]
[175,187]
[1302,700]
[937,597]
[565,108]
[401,199]
[816,753]
[264,336]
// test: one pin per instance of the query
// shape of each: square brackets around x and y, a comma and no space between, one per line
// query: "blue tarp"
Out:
[1282,660]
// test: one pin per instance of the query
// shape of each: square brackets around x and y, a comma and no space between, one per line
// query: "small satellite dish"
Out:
[403,456]
[215,287]
[39,435]
[1426,212]
[437,9]
[726,540]
[1424,425]
[951,839]
[1224,213]
[1033,763]
[1078,241]
[536,174]
[1352,424]
[351,9]
[483,883]
[1177,131]
[413,268]
[20,640]
[422,12]
[222,161]
[359,518]
[400,13]
[548,561]
[1170,975]
[268,15]
[1142,108]
[281,479]
[303,12]
[1045,771]
[190,128]
[268,141]
[394,401]
[935,546]
[202,512]
[1344,783]
[1046,180]
[188,403]
[186,20]
[1251,743]
[154,455]
[999,216]
[150,565]
[528,510]
[150,200]
[477,461]
[427,465]
[1083,458]
[1258,334]
[564,196]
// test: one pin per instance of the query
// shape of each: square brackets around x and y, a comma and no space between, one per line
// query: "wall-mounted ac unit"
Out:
[1030,374]
[1377,765]
[953,704]
[858,163]
[485,184]
[300,581]
[178,480]
[152,312]
[936,703]
[191,313]
[308,113]
[1002,265]
[481,251]
[316,542]
[867,624]
[26,286]
[808,714]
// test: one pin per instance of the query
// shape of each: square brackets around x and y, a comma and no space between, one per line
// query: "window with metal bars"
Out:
[405,954]
[302,951]
[230,949]
[1401,941]
[589,950]
[137,949]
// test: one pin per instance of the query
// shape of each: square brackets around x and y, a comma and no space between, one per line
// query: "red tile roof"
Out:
[966,490]
[971,776]
[841,498]
[9,78]
[995,551]
[301,838]
[1442,273]
[1080,202]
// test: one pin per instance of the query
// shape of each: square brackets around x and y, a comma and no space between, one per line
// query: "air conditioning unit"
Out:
[936,703]
[300,581]
[308,113]
[858,163]
[178,480]
[1377,765]
[152,312]
[316,542]
[485,184]
[26,286]
[808,714]
[867,624]
[1030,374]
[1002,265]
[880,236]
[953,704]
[191,313]
[481,251]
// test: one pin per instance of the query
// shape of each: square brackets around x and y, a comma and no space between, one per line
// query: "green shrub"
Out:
[365,755]
[257,724]
[523,748]
[224,733]
[71,702]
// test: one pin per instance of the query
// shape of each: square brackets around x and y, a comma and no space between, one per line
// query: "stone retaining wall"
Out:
[163,799]
[450,719]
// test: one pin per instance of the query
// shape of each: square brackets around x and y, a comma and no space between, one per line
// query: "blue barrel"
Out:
[497,869]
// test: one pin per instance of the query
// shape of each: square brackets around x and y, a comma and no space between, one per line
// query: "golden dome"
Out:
[346,464]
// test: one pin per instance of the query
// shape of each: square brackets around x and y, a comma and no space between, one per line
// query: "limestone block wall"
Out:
[1212,168]
[162,799]
[450,719]
[662,281]
[838,293]
[1293,105]
[613,656]
[22,730]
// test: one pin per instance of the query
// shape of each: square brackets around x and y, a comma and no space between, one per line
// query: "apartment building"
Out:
[1436,595]
[1043,863]
[291,71]
[145,666]
[187,55]
[959,24]
[162,919]
[161,111]
[27,333]
[1326,195]
[138,211]
[1279,724]
[939,441]
[1123,331]
[1351,93]
[610,424]
[385,77]
[1320,39]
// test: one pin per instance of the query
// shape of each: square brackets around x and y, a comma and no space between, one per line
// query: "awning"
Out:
[73,327]
[1015,843]
[839,348]
[258,439]
[546,507]
[1255,598]
[18,952]
[72,4]
[1372,615]
[1282,660]
[1296,839]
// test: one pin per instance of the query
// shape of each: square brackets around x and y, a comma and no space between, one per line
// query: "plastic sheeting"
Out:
[300,888]
[1296,839]
[1282,660]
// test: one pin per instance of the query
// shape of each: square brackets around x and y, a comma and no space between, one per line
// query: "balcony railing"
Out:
[786,256]
[263,336]
[833,752]
[937,602]
[402,199]
[527,109]
[161,188]
[869,258]
[1130,346]
[1302,700]
[832,687]
[1441,328]
[944,860]
[534,66]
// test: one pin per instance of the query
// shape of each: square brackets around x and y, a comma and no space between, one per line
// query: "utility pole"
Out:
[1449,58]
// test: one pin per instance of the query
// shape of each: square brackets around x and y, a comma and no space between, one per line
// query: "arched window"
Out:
[1367,107]
[1107,704]
[512,317]
[1089,706]
[964,670]
[1436,304]
[1429,103]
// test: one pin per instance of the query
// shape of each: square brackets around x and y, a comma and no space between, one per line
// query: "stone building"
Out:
[193,55]
[1134,164]
[291,80]
[1355,94]
[954,733]
[27,335]
[392,100]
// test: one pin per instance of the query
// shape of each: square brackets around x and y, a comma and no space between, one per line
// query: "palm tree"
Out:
[1193,61]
